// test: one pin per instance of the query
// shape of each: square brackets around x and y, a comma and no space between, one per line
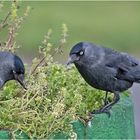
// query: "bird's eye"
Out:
[81,53]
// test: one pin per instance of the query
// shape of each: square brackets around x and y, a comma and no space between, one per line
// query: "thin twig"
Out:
[41,61]
[38,64]
[4,21]
[11,37]
[4,24]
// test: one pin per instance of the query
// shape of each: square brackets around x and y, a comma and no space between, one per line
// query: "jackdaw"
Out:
[105,69]
[11,68]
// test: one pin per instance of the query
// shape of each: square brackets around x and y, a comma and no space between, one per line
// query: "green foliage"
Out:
[10,24]
[55,95]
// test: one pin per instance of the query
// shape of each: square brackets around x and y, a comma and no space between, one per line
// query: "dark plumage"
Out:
[105,69]
[11,68]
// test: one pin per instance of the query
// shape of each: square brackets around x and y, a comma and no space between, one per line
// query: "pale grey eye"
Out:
[81,53]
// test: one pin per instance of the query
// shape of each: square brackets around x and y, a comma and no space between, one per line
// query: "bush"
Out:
[55,97]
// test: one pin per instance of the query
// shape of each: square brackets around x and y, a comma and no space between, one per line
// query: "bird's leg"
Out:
[107,107]
[116,99]
[106,99]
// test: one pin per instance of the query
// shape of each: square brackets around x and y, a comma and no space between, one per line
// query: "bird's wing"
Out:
[123,63]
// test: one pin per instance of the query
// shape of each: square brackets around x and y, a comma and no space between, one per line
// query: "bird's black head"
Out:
[19,70]
[11,68]
[80,52]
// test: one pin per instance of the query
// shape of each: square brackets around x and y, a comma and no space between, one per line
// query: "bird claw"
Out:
[108,113]
[105,103]
[102,110]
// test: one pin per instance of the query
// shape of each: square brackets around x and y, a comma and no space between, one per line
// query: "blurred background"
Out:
[111,24]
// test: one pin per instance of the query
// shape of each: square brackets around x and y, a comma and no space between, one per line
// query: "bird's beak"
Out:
[73,58]
[20,79]
[69,61]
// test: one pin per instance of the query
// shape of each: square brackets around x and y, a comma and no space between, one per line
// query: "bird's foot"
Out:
[106,102]
[102,110]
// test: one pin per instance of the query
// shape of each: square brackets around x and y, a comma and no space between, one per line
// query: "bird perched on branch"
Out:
[105,69]
[11,68]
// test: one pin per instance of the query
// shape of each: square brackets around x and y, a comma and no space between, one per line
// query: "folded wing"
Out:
[127,67]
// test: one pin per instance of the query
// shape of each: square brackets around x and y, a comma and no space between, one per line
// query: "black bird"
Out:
[105,69]
[11,68]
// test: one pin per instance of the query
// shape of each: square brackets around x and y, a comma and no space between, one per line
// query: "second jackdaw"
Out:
[11,68]
[105,69]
